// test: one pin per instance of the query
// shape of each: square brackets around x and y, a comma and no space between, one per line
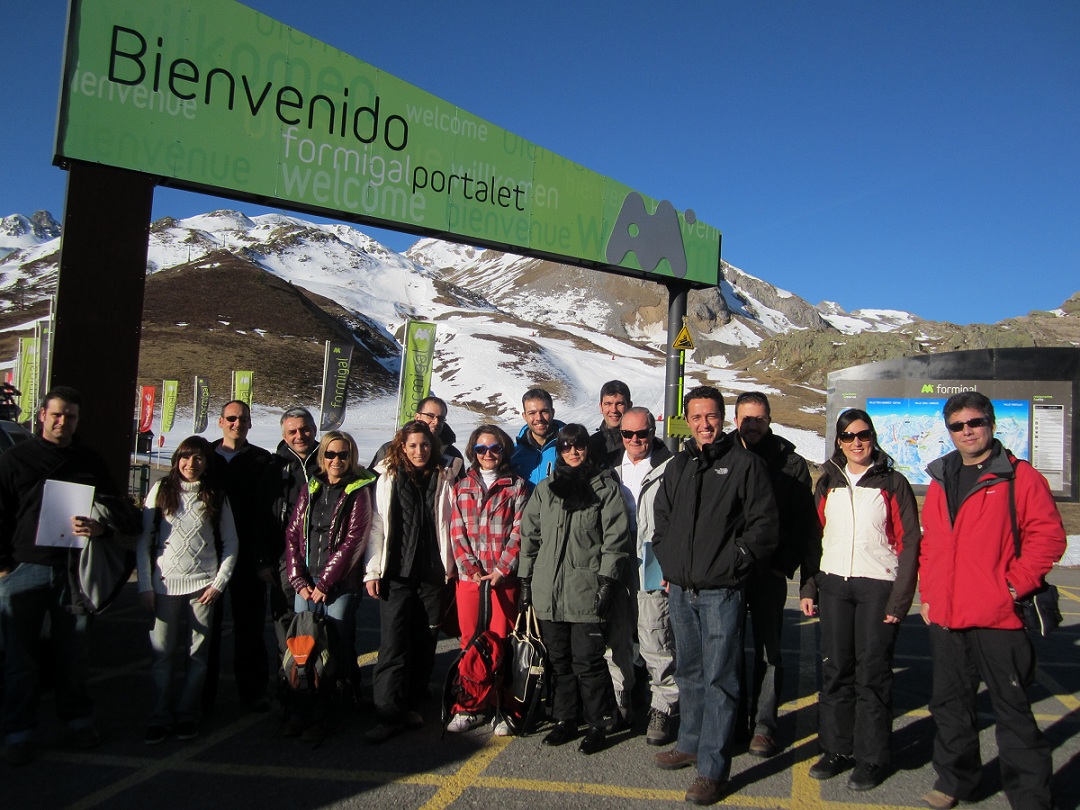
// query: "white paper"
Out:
[60,502]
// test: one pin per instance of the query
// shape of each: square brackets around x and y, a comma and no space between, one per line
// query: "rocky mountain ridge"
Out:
[220,284]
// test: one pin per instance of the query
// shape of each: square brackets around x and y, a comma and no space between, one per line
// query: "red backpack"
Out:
[475,679]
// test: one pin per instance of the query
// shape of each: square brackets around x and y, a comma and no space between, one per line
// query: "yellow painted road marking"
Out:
[166,764]
[466,776]
[805,794]
[1063,695]
[1069,594]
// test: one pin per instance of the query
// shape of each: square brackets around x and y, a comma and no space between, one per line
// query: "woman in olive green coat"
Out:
[576,551]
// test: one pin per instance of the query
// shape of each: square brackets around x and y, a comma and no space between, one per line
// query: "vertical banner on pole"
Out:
[146,408]
[16,376]
[241,386]
[417,356]
[335,381]
[28,375]
[42,333]
[201,404]
[169,390]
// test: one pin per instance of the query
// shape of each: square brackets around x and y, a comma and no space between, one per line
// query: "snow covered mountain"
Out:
[264,292]
[19,233]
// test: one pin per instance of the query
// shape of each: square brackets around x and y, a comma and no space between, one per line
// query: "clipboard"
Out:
[60,502]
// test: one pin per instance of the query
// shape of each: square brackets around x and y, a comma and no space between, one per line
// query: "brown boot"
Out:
[673,759]
[704,790]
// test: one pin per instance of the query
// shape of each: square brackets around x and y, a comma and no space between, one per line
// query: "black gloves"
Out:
[524,594]
[605,596]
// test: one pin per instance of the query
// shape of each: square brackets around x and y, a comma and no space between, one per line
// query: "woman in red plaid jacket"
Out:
[485,533]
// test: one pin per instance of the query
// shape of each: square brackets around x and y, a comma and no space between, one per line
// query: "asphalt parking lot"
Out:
[241,760]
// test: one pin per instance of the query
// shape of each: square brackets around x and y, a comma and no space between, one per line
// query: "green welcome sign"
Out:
[212,96]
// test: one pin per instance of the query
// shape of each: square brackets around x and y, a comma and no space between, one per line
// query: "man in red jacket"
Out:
[970,577]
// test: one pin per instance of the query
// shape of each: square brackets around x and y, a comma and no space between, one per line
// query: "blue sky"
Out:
[910,155]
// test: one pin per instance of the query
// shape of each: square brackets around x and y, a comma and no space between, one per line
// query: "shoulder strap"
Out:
[219,504]
[155,528]
[483,620]
[1012,509]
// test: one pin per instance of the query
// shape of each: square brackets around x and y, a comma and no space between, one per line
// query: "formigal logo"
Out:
[651,237]
[422,337]
[928,388]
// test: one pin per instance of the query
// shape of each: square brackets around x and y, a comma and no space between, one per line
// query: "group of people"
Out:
[629,555]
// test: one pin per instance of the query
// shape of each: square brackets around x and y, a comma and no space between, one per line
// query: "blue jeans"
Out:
[27,595]
[708,638]
[170,613]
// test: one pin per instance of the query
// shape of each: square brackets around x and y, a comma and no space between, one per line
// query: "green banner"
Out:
[241,386]
[336,361]
[169,390]
[200,408]
[43,336]
[213,96]
[417,356]
[27,383]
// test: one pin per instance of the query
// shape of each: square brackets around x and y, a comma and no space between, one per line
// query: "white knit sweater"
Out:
[183,559]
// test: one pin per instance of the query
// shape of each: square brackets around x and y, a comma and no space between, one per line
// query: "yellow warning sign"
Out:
[683,340]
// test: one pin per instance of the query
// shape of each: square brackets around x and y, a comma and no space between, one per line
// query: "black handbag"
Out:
[1038,611]
[526,672]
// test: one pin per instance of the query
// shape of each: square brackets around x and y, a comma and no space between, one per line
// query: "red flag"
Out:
[146,411]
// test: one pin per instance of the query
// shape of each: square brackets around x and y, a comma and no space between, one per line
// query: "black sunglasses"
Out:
[330,455]
[484,449]
[243,419]
[862,436]
[977,422]
[635,434]
[577,444]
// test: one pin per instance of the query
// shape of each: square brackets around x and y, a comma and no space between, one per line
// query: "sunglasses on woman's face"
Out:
[330,455]
[862,436]
[484,449]
[577,444]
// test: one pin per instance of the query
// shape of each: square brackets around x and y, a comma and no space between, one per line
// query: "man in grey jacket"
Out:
[639,466]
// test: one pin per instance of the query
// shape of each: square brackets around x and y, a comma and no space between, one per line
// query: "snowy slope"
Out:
[505,322]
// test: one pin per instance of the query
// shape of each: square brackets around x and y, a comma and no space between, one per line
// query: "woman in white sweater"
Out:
[185,558]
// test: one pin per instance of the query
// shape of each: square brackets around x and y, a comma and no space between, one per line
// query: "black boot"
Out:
[594,740]
[563,732]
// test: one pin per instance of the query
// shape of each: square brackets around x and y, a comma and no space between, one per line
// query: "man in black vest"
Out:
[240,467]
